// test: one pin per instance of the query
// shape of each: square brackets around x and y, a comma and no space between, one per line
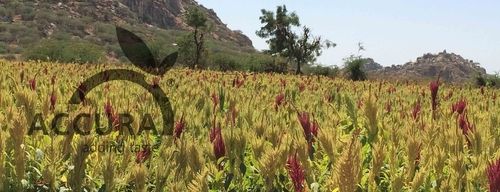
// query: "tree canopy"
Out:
[277,27]
[279,30]
[196,19]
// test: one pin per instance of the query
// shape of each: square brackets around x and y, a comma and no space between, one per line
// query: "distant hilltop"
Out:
[450,66]
[25,23]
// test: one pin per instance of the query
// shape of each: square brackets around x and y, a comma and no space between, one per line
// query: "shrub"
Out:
[45,16]
[27,13]
[487,80]
[225,62]
[322,70]
[15,49]
[266,63]
[3,11]
[28,39]
[3,48]
[480,81]
[354,68]
[494,80]
[67,51]
[6,37]
[8,57]
[186,49]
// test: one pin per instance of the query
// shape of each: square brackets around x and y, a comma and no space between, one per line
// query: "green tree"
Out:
[196,19]
[354,65]
[186,49]
[354,68]
[306,48]
[277,28]
[481,80]
[328,71]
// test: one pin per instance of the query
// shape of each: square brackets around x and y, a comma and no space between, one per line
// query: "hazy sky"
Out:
[393,32]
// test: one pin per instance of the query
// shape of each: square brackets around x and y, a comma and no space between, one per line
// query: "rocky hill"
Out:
[371,65]
[25,22]
[166,14]
[450,66]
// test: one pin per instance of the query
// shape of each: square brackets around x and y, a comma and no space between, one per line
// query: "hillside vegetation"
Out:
[29,28]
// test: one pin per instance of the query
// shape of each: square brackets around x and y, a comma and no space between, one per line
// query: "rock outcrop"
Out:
[168,14]
[449,66]
[371,65]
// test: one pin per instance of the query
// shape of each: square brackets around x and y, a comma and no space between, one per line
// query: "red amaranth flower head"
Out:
[462,123]
[388,107]
[391,90]
[459,107]
[302,87]
[416,110]
[360,103]
[108,110]
[214,132]
[310,129]
[179,127]
[306,124]
[279,101]
[115,120]
[53,99]
[215,100]
[296,172]
[465,125]
[143,155]
[32,83]
[434,87]
[493,172]
[315,128]
[233,113]
[219,147]
[238,83]
[283,82]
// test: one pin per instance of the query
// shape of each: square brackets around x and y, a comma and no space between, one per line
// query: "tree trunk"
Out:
[199,51]
[299,63]
[198,41]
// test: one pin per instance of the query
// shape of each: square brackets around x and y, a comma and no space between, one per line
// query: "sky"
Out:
[392,31]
